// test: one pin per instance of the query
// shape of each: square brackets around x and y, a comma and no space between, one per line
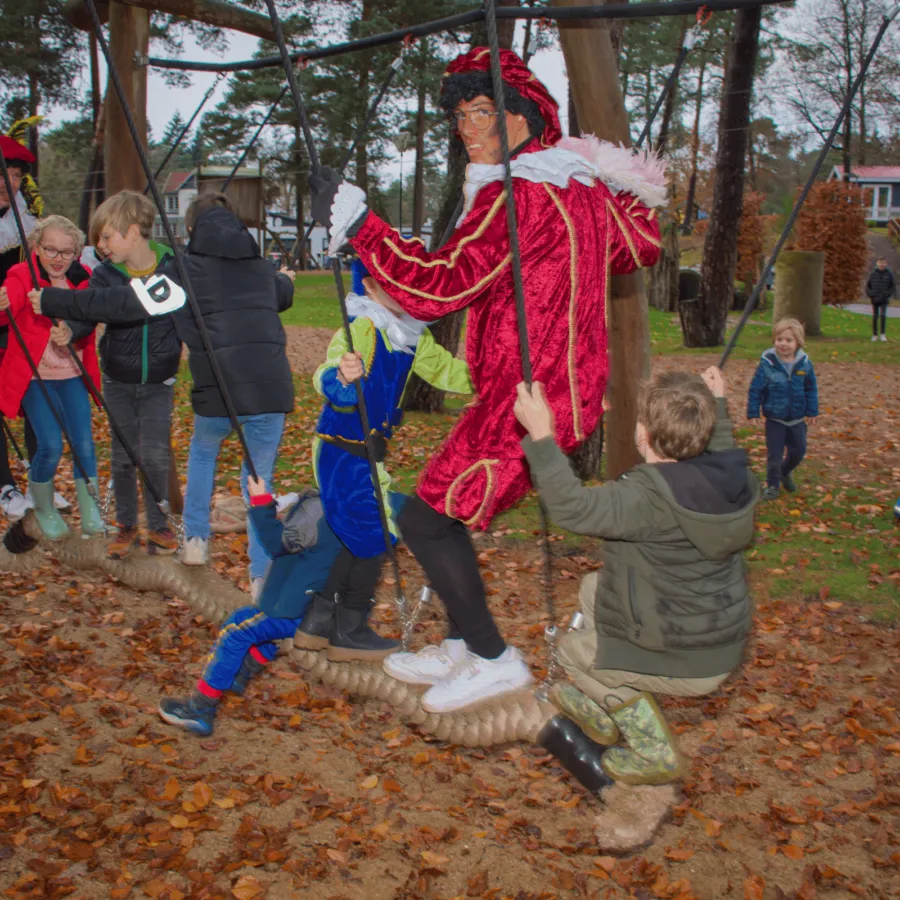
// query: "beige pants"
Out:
[613,687]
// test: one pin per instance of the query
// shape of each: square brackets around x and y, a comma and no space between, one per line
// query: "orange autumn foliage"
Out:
[751,238]
[833,220]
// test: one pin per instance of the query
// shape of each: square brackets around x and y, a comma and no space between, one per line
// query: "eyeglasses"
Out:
[53,253]
[480,118]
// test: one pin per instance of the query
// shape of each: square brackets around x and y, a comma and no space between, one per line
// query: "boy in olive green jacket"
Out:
[669,612]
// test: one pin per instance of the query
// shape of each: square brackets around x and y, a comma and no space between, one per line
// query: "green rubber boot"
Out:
[591,718]
[53,525]
[651,756]
[91,520]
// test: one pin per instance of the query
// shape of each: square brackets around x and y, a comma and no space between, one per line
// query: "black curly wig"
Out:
[466,86]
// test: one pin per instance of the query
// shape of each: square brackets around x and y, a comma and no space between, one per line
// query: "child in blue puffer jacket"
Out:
[785,387]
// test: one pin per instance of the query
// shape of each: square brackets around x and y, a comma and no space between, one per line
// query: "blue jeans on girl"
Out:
[71,399]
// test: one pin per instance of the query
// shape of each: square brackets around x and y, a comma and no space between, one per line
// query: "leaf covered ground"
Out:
[301,792]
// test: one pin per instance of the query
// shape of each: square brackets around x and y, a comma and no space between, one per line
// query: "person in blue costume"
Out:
[389,345]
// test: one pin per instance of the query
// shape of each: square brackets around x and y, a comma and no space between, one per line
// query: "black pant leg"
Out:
[6,475]
[776,435]
[444,549]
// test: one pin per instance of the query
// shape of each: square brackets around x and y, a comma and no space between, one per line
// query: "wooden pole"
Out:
[594,83]
[129,37]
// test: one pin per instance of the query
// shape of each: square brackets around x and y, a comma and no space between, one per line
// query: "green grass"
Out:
[315,301]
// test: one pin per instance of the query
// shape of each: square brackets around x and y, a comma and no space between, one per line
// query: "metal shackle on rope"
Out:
[368,437]
[205,338]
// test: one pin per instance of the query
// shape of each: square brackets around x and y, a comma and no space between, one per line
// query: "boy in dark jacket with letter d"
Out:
[669,612]
[785,387]
[303,550]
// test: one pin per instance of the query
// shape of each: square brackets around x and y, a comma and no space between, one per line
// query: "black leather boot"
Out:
[576,751]
[353,639]
[315,630]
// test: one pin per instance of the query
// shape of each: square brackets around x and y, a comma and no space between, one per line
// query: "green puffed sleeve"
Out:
[437,366]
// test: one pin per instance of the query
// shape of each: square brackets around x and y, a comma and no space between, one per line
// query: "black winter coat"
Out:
[880,287]
[240,295]
[144,351]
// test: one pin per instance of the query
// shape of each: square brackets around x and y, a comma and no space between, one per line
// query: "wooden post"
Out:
[129,37]
[594,84]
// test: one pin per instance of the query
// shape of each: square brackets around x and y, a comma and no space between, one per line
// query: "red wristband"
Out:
[261,500]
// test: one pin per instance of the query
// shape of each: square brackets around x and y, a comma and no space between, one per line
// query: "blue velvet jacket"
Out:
[783,396]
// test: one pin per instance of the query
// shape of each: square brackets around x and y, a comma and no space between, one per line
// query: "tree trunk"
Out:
[594,81]
[446,331]
[695,154]
[93,179]
[665,124]
[129,34]
[34,103]
[418,216]
[299,185]
[704,320]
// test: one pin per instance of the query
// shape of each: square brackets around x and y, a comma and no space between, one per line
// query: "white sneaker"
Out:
[60,502]
[256,585]
[874,338]
[476,679]
[884,338]
[195,551]
[429,665]
[13,502]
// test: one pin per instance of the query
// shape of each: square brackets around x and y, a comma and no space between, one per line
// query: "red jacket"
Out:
[15,373]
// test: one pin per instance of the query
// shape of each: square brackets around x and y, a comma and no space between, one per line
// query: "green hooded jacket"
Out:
[672,596]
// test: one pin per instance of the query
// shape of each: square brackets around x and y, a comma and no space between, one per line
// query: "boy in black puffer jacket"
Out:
[140,360]
[880,290]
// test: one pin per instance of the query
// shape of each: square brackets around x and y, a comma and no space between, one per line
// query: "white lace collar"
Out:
[403,331]
[9,234]
[583,159]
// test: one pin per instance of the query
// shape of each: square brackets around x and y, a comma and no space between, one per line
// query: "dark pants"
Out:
[144,412]
[780,437]
[444,549]
[879,309]
[6,475]
[354,578]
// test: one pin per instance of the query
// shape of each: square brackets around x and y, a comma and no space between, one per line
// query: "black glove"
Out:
[323,185]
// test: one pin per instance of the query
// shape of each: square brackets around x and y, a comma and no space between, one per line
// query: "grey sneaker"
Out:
[788,483]
[770,493]
[195,551]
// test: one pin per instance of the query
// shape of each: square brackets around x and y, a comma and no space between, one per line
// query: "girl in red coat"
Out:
[56,244]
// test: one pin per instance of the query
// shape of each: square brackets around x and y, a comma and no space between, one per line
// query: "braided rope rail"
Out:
[628,818]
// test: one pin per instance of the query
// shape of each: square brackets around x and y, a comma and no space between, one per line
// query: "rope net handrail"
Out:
[565,13]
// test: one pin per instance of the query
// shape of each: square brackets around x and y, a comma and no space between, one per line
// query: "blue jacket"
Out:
[294,576]
[780,395]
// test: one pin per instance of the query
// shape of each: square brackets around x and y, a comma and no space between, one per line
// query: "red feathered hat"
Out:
[517,75]
[14,151]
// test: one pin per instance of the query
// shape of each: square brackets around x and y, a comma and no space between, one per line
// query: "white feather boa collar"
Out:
[9,234]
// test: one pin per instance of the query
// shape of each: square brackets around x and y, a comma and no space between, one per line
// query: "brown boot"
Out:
[162,543]
[123,542]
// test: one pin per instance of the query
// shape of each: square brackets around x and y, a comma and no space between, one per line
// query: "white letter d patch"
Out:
[158,295]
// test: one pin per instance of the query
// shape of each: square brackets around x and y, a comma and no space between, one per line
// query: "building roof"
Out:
[869,173]
[175,181]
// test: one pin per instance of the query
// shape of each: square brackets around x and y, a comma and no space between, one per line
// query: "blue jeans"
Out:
[71,399]
[263,435]
[778,438]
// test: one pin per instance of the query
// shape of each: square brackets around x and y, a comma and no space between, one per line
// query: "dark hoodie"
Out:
[240,296]
[672,597]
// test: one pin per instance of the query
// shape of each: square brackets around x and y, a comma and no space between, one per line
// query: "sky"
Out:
[164,101]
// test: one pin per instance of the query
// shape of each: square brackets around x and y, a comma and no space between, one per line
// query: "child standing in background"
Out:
[785,388]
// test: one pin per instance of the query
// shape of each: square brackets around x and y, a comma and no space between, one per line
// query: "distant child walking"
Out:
[785,388]
[880,290]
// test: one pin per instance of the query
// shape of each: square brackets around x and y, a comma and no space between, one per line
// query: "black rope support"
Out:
[368,436]
[490,10]
[170,235]
[801,199]
[23,237]
[618,11]
[669,86]
[183,133]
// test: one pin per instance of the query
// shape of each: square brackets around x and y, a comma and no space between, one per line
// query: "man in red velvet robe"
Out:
[585,211]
